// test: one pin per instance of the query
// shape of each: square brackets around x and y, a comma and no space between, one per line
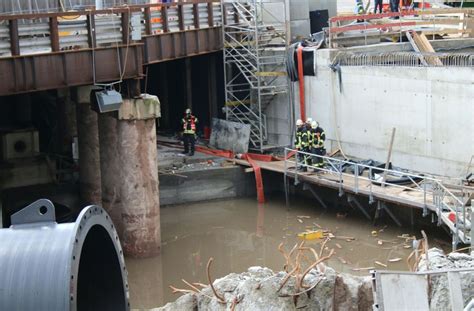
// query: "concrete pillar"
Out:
[88,141]
[129,164]
[110,169]
[139,187]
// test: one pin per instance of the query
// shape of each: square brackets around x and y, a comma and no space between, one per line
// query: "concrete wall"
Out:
[432,109]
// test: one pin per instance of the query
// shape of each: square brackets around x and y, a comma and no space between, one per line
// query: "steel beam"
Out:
[383,206]
[39,72]
[173,45]
[351,199]
[316,195]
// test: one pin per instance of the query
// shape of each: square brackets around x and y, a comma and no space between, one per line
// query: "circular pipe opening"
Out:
[99,283]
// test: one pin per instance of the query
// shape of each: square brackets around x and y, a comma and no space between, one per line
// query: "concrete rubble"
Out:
[257,289]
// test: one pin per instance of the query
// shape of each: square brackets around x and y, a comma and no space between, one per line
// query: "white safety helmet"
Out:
[188,111]
[314,124]
[299,122]
[309,120]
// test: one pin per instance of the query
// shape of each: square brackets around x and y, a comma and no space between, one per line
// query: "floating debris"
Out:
[311,235]
[380,264]
[394,260]
[307,217]
[374,233]
[338,245]
[363,269]
[300,221]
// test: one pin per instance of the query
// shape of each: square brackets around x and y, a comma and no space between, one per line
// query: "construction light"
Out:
[108,100]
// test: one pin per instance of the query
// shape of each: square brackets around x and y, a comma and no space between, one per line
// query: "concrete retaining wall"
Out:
[432,109]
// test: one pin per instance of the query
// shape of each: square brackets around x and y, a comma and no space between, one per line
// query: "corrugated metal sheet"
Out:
[36,6]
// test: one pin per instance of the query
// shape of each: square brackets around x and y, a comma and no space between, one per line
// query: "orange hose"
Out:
[299,54]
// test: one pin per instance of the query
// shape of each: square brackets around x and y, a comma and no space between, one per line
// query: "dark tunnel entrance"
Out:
[194,82]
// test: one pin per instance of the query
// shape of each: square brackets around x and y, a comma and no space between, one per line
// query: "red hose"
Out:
[299,54]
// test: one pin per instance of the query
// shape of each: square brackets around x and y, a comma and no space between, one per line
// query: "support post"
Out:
[88,141]
[316,196]
[54,33]
[14,38]
[351,198]
[383,205]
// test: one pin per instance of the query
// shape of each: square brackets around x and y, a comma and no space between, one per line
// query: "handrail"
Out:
[438,191]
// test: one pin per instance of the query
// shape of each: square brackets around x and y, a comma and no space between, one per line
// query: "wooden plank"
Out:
[425,46]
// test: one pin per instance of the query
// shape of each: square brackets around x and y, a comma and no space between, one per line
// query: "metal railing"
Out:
[25,34]
[405,59]
[443,201]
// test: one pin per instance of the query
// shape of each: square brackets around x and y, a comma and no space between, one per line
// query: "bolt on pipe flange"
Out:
[72,266]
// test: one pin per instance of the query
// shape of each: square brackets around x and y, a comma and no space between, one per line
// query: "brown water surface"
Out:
[240,233]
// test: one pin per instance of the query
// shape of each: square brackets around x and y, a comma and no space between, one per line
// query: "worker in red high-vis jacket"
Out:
[189,132]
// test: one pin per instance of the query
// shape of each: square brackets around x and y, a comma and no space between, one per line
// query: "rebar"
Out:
[404,59]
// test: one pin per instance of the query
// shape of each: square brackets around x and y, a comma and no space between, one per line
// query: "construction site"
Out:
[236,155]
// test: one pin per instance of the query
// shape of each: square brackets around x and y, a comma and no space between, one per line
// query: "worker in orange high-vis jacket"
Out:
[189,135]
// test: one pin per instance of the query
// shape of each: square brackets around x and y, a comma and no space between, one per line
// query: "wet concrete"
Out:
[239,233]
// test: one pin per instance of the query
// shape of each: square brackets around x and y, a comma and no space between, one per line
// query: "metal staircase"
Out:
[255,39]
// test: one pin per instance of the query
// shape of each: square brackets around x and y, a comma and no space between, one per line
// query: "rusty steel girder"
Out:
[173,45]
[37,72]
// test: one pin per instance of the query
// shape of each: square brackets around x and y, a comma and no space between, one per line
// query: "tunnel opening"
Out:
[193,82]
[99,281]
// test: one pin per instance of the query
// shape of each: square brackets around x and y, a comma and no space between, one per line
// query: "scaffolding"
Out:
[255,44]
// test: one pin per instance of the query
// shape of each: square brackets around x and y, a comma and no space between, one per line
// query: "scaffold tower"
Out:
[256,40]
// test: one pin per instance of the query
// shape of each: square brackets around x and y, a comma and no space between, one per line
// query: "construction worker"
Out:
[318,137]
[394,6]
[301,143]
[189,136]
[379,5]
[359,9]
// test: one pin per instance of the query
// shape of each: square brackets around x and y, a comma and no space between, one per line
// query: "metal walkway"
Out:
[424,192]
[255,43]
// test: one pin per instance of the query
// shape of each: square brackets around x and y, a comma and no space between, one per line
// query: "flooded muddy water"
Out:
[241,233]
